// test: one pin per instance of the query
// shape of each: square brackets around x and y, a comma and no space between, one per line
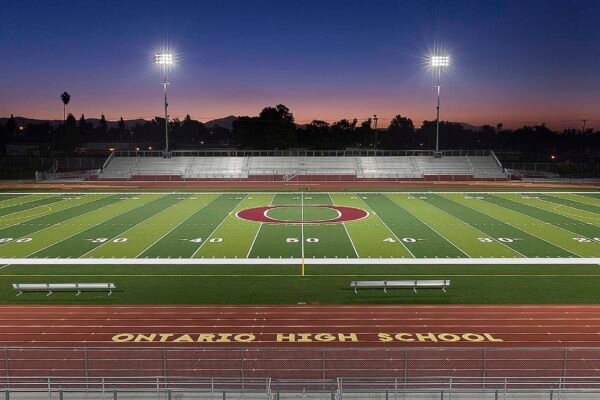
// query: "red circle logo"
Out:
[260,214]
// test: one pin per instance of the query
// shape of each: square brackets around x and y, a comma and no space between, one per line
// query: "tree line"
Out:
[275,128]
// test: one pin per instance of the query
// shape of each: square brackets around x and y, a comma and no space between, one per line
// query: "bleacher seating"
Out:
[455,167]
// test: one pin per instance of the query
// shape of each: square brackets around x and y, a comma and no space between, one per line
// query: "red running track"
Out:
[312,326]
[79,341]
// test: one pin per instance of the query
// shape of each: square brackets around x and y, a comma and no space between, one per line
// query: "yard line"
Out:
[58,223]
[427,225]
[176,226]
[480,231]
[218,226]
[345,229]
[509,224]
[26,199]
[139,223]
[258,231]
[542,222]
[386,226]
[77,233]
[577,218]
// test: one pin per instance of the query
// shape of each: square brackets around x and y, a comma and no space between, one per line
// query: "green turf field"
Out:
[205,226]
[194,247]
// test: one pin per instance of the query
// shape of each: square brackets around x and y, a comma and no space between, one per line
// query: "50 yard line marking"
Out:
[258,231]
[345,229]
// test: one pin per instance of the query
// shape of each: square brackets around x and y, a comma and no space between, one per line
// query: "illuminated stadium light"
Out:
[163,59]
[439,61]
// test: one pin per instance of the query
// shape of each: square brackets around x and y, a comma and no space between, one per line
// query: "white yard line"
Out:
[296,261]
[387,227]
[258,231]
[424,191]
[176,226]
[519,229]
[537,219]
[58,223]
[77,233]
[346,229]
[430,227]
[139,223]
[565,215]
[478,230]
[214,230]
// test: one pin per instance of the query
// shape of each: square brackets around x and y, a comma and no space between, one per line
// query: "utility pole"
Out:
[375,144]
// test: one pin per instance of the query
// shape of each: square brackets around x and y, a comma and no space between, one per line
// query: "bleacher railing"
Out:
[299,153]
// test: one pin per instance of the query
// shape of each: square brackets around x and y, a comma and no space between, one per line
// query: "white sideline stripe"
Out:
[200,192]
[296,261]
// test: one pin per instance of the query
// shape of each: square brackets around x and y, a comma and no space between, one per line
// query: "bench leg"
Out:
[109,292]
[49,292]
[78,292]
[20,293]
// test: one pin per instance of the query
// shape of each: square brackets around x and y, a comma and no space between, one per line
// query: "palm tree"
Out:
[65,97]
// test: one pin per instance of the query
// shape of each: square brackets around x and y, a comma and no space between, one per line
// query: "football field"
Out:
[286,227]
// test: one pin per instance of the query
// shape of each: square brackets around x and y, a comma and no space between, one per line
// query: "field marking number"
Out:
[296,240]
[587,240]
[22,240]
[212,240]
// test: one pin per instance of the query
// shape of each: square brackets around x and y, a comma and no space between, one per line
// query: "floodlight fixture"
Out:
[163,59]
[439,61]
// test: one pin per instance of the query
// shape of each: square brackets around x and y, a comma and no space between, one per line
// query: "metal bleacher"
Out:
[198,166]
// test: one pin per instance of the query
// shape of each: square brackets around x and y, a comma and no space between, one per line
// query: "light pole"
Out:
[165,60]
[438,62]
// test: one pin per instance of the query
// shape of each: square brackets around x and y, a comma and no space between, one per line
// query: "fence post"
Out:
[85,366]
[324,366]
[6,394]
[565,364]
[165,364]
[484,366]
[49,390]
[6,366]
[242,365]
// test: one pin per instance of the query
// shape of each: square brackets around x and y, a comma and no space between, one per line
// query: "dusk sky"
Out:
[514,62]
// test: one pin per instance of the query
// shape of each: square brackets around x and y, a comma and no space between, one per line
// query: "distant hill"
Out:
[93,121]
[225,122]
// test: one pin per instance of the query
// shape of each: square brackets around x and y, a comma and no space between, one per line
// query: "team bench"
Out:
[412,284]
[63,287]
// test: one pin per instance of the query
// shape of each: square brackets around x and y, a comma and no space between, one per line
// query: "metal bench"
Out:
[412,284]
[63,287]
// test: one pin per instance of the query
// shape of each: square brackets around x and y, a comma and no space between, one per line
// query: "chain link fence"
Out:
[296,363]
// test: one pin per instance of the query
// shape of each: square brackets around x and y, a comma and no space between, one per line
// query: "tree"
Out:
[401,134]
[65,97]
[102,124]
[69,138]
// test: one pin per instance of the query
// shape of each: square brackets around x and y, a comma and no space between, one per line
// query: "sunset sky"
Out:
[514,62]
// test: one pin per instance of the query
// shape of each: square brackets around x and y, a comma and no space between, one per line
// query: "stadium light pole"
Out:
[165,60]
[438,63]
